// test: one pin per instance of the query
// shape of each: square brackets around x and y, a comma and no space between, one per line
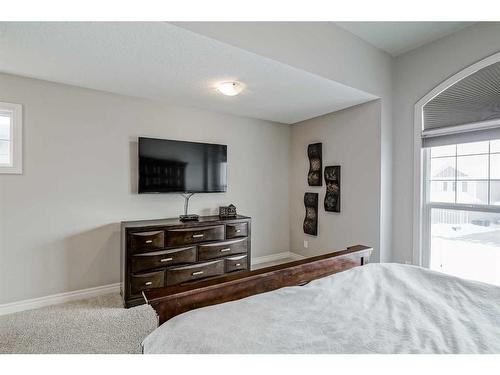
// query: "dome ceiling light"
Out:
[232,88]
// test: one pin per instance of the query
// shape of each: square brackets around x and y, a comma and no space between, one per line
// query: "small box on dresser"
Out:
[159,253]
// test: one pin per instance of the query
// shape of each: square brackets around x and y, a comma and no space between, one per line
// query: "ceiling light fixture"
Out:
[230,88]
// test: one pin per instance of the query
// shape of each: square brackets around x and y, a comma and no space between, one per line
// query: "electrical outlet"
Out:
[306,244]
[407,261]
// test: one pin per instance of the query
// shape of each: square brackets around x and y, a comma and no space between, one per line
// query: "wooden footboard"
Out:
[171,301]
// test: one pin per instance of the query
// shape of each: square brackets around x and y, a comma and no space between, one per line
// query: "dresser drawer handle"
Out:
[149,283]
[166,259]
[225,250]
[197,235]
[197,273]
[237,264]
[149,241]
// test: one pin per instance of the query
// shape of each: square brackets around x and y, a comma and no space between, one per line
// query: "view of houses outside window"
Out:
[463,189]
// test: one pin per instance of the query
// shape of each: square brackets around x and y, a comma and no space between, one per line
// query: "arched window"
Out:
[457,175]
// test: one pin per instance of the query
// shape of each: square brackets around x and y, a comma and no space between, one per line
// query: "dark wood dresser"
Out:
[158,253]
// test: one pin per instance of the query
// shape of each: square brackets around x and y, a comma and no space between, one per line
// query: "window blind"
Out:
[467,111]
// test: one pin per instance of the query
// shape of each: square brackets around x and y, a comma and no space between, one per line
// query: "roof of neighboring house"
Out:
[449,172]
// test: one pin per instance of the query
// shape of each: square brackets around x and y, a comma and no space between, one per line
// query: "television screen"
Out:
[167,166]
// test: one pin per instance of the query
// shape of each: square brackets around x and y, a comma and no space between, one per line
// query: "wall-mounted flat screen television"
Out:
[168,166]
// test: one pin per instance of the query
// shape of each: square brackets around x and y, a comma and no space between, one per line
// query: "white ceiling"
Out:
[397,38]
[163,62]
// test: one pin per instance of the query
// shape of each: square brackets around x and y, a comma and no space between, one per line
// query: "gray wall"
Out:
[329,51]
[59,220]
[349,139]
[415,74]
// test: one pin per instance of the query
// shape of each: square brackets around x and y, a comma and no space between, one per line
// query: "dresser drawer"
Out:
[236,263]
[155,259]
[221,249]
[183,274]
[144,241]
[236,230]
[187,236]
[140,282]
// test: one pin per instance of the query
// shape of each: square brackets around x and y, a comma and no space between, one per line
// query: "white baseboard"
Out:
[54,299]
[296,256]
[277,256]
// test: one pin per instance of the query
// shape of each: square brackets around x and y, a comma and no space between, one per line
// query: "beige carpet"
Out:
[95,325]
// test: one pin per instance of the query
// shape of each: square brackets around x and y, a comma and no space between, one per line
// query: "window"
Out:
[10,138]
[473,167]
[462,210]
[457,141]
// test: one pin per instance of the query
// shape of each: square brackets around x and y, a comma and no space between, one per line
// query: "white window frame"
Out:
[421,206]
[15,111]
[428,206]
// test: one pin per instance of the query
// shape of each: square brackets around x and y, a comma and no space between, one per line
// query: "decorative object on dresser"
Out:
[227,211]
[160,253]
[332,196]
[311,219]
[315,152]
[186,216]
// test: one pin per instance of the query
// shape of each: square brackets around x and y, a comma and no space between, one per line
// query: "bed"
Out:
[376,308]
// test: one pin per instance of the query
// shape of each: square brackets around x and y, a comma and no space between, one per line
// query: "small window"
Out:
[10,138]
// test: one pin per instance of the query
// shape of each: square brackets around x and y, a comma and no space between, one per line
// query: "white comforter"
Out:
[377,308]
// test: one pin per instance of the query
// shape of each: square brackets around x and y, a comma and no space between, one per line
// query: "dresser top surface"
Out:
[213,219]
